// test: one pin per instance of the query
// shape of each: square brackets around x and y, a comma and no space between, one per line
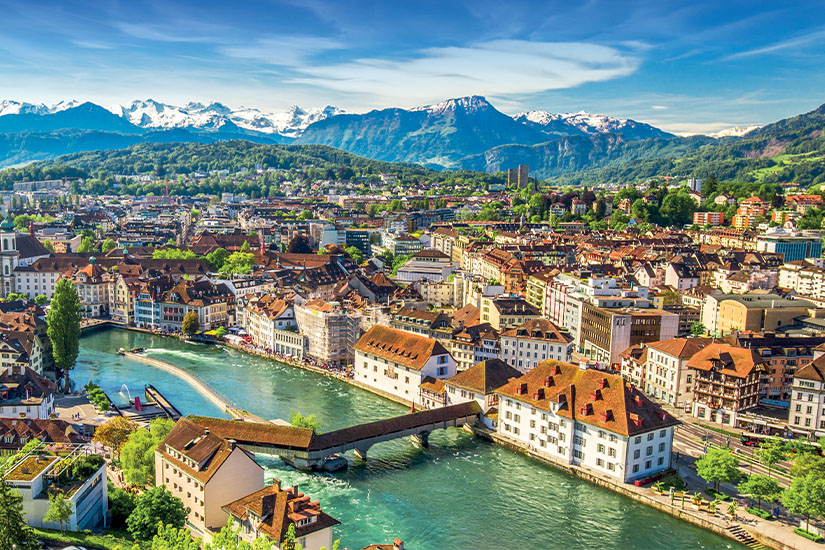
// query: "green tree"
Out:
[216,258]
[190,323]
[13,528]
[108,245]
[808,464]
[697,328]
[760,487]
[238,263]
[806,497]
[245,246]
[289,539]
[305,215]
[114,433]
[121,505]
[63,329]
[41,299]
[718,466]
[137,456]
[355,253]
[14,296]
[771,453]
[60,509]
[155,506]
[87,244]
[220,333]
[309,422]
[174,538]
[47,244]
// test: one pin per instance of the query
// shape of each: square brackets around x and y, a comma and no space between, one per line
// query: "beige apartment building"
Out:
[331,330]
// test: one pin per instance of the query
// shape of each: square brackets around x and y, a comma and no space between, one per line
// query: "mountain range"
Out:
[450,134]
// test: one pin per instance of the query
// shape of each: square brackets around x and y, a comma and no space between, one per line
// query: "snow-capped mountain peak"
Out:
[11,107]
[291,122]
[467,104]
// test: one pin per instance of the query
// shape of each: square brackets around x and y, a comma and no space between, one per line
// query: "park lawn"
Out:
[113,540]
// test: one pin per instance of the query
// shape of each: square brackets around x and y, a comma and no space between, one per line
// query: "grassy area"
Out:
[784,160]
[90,540]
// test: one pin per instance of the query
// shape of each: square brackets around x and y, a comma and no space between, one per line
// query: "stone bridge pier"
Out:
[422,439]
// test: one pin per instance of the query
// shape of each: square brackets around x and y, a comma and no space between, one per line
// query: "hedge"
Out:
[764,514]
[808,535]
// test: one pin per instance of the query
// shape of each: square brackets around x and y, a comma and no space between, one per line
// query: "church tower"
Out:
[8,256]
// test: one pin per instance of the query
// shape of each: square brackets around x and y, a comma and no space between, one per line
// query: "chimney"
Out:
[206,431]
[232,443]
[638,399]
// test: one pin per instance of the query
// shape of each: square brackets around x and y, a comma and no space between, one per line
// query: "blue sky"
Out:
[684,66]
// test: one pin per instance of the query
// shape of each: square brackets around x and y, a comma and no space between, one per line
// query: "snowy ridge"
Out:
[736,131]
[468,104]
[583,121]
[11,107]
[291,122]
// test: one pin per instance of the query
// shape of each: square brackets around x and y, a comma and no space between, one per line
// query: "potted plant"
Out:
[697,500]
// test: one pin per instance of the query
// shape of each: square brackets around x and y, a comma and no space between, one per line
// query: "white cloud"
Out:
[658,107]
[282,50]
[498,68]
[790,44]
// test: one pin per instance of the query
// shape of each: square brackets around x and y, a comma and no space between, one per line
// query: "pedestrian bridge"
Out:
[305,449]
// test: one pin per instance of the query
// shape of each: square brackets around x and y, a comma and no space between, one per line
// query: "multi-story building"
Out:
[479,383]
[23,392]
[268,513]
[586,418]
[807,404]
[606,332]
[758,312]
[94,288]
[806,279]
[396,362]
[504,313]
[666,375]
[270,322]
[525,346]
[211,302]
[331,330]
[725,382]
[793,244]
[709,218]
[37,473]
[16,250]
[206,472]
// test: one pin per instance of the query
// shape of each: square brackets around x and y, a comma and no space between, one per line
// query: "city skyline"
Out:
[685,69]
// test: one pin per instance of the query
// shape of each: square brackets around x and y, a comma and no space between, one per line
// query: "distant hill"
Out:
[438,135]
[789,150]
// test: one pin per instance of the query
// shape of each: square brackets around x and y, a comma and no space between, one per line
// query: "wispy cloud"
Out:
[497,68]
[791,44]
[282,50]
[92,45]
[658,107]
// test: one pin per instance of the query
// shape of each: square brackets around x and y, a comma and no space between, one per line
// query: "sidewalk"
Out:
[768,532]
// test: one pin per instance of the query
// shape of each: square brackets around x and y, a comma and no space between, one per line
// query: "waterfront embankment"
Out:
[716,524]
[390,494]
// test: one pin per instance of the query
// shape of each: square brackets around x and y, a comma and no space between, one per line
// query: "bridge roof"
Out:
[392,425]
[274,435]
[257,433]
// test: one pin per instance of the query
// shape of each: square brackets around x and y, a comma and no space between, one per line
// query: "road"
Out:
[688,439]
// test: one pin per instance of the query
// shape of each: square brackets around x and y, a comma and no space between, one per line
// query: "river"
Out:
[460,493]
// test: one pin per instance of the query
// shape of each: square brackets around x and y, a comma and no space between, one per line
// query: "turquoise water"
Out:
[461,493]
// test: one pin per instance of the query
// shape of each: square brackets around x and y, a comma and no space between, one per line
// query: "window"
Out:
[649,450]
[662,447]
[611,452]
[650,436]
[601,448]
[637,453]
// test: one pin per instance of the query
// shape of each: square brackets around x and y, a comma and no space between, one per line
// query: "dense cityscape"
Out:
[320,275]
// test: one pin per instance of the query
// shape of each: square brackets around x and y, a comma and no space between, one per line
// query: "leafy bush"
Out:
[717,494]
[808,535]
[764,514]
[121,504]
[87,465]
